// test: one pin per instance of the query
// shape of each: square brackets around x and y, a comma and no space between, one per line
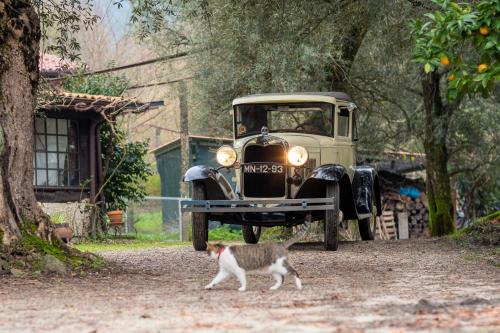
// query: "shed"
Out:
[202,150]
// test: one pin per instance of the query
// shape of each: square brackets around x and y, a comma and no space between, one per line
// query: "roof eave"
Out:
[95,103]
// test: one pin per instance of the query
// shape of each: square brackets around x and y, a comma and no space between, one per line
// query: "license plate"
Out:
[263,168]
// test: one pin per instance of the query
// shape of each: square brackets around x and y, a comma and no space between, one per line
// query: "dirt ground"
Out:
[398,286]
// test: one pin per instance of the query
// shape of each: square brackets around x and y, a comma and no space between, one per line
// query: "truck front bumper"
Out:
[259,206]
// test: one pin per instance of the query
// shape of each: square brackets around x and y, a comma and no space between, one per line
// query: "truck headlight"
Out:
[297,156]
[226,156]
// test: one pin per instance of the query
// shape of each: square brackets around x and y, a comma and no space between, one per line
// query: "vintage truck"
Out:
[295,159]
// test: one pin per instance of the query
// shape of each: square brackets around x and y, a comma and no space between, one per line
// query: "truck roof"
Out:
[326,96]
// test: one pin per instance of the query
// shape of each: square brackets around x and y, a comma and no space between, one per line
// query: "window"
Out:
[310,117]
[343,129]
[56,153]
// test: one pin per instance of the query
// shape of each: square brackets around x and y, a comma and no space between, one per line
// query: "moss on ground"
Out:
[483,231]
[34,248]
[481,239]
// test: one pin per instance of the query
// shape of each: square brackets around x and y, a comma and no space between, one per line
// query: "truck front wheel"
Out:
[332,219]
[200,220]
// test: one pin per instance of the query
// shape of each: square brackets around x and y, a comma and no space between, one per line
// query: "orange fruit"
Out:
[444,61]
[484,30]
[451,77]
[481,68]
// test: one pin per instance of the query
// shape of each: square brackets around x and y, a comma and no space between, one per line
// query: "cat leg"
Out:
[292,271]
[279,280]
[279,271]
[221,276]
[241,275]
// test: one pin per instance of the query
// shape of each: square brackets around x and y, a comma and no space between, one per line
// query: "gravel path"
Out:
[398,286]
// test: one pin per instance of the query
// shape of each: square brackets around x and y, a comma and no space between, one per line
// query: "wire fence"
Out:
[156,218]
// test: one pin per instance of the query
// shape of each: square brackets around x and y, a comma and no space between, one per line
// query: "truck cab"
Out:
[295,159]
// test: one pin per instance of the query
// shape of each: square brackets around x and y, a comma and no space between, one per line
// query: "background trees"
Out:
[244,47]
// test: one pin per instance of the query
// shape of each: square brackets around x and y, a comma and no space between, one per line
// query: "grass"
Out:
[149,223]
[149,233]
[125,245]
[225,233]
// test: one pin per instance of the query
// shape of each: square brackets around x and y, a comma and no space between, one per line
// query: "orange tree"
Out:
[459,50]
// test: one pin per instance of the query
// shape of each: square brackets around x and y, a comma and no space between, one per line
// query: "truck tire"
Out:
[200,220]
[331,219]
[367,226]
[251,234]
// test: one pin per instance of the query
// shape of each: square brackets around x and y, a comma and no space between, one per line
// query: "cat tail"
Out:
[300,234]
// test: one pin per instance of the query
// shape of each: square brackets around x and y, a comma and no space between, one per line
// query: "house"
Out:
[67,158]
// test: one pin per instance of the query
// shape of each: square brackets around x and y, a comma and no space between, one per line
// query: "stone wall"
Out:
[77,214]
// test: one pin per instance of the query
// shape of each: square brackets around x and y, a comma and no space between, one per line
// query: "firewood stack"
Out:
[418,214]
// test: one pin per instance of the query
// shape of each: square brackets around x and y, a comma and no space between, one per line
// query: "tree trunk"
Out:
[19,47]
[437,118]
[353,39]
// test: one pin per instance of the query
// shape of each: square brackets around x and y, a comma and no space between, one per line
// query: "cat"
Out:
[239,259]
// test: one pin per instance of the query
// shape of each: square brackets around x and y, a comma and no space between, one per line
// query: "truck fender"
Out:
[315,187]
[216,185]
[365,185]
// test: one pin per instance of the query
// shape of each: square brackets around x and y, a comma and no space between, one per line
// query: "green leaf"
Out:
[452,94]
[478,78]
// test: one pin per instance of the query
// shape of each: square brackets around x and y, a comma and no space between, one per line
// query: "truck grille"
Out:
[257,185]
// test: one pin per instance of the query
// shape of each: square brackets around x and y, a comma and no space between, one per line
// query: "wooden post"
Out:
[93,176]
[403,226]
[185,158]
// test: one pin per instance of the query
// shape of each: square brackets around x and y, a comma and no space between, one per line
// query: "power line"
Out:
[160,83]
[136,64]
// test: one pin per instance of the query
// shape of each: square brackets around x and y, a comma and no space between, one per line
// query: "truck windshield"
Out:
[313,118]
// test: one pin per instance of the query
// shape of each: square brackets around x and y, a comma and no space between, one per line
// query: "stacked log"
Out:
[418,214]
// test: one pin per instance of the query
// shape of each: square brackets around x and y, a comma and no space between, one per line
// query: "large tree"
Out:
[23,225]
[24,228]
[19,39]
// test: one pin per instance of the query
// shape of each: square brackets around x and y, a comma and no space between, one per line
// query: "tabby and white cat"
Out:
[239,259]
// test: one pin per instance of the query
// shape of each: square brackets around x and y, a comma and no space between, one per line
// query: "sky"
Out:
[117,19]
